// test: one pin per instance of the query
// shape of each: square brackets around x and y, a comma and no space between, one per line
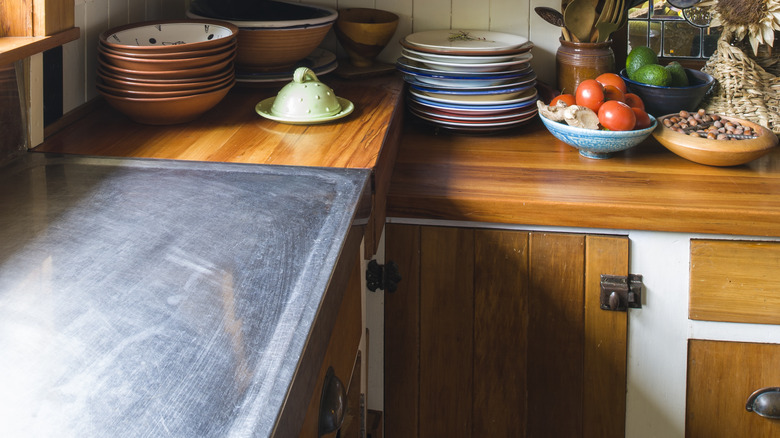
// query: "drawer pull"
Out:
[332,404]
[765,402]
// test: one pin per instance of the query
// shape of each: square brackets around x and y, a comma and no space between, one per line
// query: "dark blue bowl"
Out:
[660,101]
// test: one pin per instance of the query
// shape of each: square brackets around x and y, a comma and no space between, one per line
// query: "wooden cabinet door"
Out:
[499,333]
[721,377]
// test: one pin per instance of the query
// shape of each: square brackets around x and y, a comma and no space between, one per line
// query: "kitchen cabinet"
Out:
[733,281]
[499,333]
[663,205]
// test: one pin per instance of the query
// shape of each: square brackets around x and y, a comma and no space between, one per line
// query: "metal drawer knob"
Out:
[765,402]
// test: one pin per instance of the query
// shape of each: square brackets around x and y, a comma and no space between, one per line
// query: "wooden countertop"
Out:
[233,132]
[526,176]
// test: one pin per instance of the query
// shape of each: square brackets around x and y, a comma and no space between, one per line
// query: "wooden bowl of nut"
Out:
[713,139]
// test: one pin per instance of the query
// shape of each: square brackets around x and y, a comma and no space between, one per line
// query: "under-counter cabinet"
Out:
[499,333]
[736,282]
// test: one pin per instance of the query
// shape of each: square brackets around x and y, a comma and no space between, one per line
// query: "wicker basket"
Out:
[744,89]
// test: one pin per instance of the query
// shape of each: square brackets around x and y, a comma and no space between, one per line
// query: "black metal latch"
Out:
[385,277]
[619,292]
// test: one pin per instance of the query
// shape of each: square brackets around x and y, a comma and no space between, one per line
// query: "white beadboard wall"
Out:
[512,16]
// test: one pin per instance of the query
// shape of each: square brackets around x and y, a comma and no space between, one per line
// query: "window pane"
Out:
[680,39]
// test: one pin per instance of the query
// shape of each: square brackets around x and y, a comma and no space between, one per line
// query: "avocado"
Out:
[679,78]
[653,74]
[639,57]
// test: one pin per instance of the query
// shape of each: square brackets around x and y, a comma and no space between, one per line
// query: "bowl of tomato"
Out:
[597,143]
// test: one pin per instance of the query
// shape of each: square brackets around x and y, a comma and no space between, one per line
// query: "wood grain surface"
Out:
[233,132]
[721,377]
[525,176]
[606,340]
[735,281]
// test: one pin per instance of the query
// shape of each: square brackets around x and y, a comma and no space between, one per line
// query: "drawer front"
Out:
[721,377]
[735,281]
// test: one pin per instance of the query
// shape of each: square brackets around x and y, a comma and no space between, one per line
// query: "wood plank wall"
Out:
[512,16]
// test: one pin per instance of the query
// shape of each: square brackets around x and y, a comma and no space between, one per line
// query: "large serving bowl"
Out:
[186,73]
[717,152]
[593,143]
[169,55]
[166,111]
[194,85]
[162,36]
[273,35]
[164,64]
[161,93]
[666,100]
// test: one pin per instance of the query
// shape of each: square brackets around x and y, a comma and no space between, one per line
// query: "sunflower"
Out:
[756,19]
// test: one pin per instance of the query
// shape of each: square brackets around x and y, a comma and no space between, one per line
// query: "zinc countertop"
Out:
[162,298]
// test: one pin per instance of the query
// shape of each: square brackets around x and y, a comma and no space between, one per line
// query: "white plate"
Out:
[516,63]
[460,59]
[457,41]
[407,65]
[459,83]
[526,95]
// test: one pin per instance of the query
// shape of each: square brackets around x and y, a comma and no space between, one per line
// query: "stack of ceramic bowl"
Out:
[275,37]
[166,72]
[469,80]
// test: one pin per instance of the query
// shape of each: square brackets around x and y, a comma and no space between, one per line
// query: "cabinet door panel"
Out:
[500,333]
[446,320]
[605,342]
[555,335]
[402,333]
[721,377]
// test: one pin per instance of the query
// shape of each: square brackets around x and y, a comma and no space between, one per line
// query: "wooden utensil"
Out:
[613,20]
[579,17]
[555,18]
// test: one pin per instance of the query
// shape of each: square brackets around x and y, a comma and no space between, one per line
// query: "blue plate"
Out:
[502,89]
[474,108]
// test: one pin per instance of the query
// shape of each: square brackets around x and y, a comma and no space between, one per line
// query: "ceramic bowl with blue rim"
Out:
[596,143]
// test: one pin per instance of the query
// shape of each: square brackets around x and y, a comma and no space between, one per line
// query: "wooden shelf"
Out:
[13,49]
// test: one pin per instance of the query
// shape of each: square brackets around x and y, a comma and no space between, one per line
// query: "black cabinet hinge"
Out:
[620,292]
[385,277]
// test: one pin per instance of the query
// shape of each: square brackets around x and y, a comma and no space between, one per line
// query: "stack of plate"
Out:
[473,80]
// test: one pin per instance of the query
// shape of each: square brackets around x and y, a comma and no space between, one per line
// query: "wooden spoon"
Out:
[579,17]
[553,17]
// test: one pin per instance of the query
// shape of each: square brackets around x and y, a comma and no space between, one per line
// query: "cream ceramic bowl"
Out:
[169,36]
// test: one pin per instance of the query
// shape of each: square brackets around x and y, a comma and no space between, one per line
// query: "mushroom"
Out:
[552,112]
[581,117]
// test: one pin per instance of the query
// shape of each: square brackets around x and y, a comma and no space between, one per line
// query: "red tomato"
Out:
[590,93]
[642,119]
[616,116]
[612,79]
[634,101]
[568,99]
[612,92]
